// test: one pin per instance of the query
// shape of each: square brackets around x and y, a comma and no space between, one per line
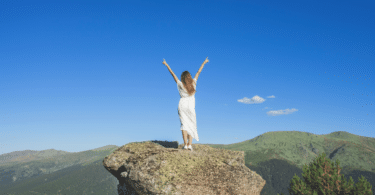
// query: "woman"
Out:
[186,106]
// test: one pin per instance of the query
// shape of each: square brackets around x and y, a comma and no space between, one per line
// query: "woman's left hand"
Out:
[165,63]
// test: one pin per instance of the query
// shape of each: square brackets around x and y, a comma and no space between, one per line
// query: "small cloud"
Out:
[280,112]
[257,100]
[236,138]
[254,100]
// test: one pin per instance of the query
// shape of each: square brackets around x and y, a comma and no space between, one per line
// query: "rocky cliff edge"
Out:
[149,168]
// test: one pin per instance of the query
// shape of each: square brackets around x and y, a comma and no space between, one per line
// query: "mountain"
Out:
[278,155]
[275,156]
[29,155]
[57,172]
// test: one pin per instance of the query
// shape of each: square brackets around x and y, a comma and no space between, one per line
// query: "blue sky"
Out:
[78,75]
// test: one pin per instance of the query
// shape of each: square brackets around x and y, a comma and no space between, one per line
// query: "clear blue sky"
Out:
[78,75]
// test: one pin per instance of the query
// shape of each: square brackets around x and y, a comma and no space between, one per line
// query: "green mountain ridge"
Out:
[276,156]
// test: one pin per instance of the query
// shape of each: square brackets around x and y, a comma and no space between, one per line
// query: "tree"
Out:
[322,177]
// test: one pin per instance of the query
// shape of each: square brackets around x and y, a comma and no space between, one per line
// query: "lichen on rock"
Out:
[149,168]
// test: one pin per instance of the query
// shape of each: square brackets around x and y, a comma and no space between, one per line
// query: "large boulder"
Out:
[150,168]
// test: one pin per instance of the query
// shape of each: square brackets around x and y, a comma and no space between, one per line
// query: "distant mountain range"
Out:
[276,156]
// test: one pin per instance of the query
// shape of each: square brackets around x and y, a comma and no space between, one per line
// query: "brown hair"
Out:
[187,81]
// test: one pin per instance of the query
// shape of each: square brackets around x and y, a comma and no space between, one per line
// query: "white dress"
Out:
[186,110]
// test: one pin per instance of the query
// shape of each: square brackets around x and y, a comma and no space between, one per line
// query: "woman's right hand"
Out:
[165,63]
[205,61]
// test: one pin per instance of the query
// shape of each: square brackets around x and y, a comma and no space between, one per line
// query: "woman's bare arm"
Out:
[200,69]
[170,70]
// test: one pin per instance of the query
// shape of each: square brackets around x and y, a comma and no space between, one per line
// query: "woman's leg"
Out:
[190,140]
[184,136]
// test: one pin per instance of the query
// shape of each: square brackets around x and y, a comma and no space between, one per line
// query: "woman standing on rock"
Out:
[186,106]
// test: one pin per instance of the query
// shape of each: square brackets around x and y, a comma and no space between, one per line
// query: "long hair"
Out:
[187,81]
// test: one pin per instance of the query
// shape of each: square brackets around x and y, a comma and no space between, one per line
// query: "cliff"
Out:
[150,168]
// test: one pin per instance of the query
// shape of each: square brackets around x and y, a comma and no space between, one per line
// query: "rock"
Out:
[149,168]
[167,144]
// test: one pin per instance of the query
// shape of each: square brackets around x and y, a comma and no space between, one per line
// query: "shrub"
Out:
[322,177]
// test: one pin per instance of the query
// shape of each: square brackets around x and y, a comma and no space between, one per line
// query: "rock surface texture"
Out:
[149,168]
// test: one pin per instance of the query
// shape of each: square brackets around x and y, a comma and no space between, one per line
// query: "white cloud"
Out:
[258,100]
[254,100]
[281,112]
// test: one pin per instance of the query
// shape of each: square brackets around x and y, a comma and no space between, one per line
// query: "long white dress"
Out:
[186,110]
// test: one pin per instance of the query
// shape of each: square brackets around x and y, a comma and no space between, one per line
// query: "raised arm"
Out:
[200,69]
[170,70]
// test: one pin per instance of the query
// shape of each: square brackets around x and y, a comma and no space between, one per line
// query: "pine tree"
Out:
[322,177]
